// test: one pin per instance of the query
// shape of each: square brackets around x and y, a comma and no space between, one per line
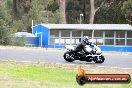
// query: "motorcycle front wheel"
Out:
[99,59]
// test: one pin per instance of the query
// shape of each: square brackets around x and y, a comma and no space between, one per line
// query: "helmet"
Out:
[86,39]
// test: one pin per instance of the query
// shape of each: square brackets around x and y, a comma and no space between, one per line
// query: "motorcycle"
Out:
[91,54]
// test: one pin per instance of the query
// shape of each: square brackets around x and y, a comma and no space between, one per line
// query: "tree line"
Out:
[100,11]
[17,15]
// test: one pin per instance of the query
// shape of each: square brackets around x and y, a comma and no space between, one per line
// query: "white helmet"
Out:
[86,39]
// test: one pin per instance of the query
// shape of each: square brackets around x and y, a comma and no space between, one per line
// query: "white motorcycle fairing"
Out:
[95,48]
[69,47]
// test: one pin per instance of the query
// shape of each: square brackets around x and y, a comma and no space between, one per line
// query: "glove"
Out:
[92,44]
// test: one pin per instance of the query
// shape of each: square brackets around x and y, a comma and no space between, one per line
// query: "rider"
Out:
[81,46]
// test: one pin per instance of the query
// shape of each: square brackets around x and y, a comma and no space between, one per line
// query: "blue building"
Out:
[110,37]
[31,40]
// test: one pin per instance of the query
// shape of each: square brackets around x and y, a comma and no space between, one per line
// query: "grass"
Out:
[44,73]
[30,75]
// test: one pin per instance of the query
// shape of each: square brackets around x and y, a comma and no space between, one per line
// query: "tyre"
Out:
[81,80]
[68,56]
[89,59]
[99,59]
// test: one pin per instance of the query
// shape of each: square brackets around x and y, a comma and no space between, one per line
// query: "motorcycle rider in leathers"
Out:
[81,45]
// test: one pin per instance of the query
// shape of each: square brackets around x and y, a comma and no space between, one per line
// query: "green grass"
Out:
[45,77]
[44,73]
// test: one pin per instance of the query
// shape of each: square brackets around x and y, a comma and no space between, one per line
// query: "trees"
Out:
[36,10]
[62,7]
[111,14]
[76,7]
[96,6]
[127,10]
[86,7]
[95,11]
[4,24]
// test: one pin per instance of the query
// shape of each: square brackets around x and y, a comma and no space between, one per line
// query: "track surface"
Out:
[112,60]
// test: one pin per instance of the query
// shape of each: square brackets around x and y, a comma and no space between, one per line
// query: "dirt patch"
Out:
[89,69]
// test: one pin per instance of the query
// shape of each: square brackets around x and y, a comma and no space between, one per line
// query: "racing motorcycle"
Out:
[91,54]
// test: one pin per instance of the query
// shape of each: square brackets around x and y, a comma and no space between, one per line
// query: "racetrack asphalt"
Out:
[56,56]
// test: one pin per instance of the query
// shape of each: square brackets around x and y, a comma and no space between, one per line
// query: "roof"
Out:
[25,34]
[89,26]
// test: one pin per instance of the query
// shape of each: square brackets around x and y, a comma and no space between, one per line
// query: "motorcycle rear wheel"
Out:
[68,56]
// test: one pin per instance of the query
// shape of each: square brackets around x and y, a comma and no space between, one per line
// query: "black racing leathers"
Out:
[81,46]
